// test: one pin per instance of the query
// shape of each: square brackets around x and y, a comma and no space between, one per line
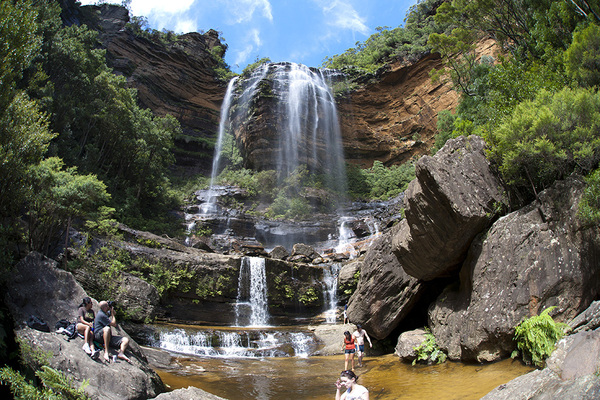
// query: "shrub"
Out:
[429,351]
[589,206]
[536,337]
[547,139]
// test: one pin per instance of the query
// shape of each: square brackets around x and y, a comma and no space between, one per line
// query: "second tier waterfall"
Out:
[251,306]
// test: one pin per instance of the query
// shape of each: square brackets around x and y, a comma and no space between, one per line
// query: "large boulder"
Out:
[37,287]
[385,293]
[451,200]
[405,348]
[571,373]
[531,259]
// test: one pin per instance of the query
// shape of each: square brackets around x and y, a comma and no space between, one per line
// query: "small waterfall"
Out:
[345,237]
[330,279]
[210,205]
[234,344]
[251,308]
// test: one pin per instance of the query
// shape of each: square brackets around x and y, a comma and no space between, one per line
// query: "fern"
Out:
[537,336]
[56,386]
[429,350]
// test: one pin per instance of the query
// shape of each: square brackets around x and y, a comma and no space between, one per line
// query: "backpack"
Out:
[37,323]
[69,329]
[63,323]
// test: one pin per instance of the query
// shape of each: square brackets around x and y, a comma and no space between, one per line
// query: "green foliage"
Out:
[379,181]
[57,197]
[429,351]
[309,297]
[537,336]
[582,58]
[55,385]
[251,67]
[387,44]
[589,206]
[547,139]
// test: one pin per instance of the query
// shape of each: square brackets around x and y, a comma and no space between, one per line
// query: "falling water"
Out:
[234,343]
[251,307]
[209,206]
[330,279]
[309,132]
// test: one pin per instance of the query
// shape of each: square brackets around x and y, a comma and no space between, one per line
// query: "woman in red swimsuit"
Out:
[349,349]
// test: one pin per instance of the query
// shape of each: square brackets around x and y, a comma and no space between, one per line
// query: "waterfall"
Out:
[210,205]
[345,236]
[301,128]
[309,132]
[234,344]
[330,279]
[251,307]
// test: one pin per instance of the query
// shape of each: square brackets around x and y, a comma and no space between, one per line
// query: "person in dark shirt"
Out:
[85,325]
[103,322]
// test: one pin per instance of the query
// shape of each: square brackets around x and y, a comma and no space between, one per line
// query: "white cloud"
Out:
[341,14]
[147,7]
[185,26]
[253,42]
[243,10]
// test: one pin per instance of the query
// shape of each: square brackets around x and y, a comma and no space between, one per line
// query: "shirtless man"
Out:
[360,335]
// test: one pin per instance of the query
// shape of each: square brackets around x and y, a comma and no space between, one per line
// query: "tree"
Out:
[582,58]
[548,138]
[57,197]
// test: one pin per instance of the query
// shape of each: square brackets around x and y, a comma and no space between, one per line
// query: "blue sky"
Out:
[302,31]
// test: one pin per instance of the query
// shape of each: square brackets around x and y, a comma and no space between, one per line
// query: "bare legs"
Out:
[348,357]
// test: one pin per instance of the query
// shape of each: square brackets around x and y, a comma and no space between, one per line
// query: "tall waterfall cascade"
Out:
[251,308]
[306,129]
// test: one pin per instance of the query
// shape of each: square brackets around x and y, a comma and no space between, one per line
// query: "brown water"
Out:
[314,377]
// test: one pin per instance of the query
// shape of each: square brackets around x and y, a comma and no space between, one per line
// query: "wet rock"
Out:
[38,287]
[188,394]
[302,251]
[531,259]
[348,279]
[279,252]
[450,202]
[405,348]
[385,293]
[571,373]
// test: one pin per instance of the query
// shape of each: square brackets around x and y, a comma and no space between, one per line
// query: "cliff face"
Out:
[392,120]
[172,77]
[395,118]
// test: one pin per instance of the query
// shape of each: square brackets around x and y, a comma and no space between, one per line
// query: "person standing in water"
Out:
[360,335]
[353,391]
[349,349]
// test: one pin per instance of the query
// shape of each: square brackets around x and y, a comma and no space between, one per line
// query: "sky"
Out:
[301,31]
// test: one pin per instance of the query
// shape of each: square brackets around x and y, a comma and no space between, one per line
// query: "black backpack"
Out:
[67,328]
[37,323]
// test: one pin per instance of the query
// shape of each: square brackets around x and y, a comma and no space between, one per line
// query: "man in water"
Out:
[360,335]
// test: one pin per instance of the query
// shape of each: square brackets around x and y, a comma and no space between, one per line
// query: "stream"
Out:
[276,363]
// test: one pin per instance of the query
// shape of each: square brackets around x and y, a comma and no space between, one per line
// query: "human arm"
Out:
[113,319]
[339,389]
[370,344]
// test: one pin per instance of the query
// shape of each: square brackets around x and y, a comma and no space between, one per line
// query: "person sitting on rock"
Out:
[85,326]
[103,322]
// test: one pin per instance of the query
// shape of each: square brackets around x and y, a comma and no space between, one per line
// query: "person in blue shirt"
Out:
[105,319]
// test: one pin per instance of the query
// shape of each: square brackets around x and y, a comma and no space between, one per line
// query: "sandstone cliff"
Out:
[174,77]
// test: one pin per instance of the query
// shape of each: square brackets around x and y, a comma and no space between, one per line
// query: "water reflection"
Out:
[314,377]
